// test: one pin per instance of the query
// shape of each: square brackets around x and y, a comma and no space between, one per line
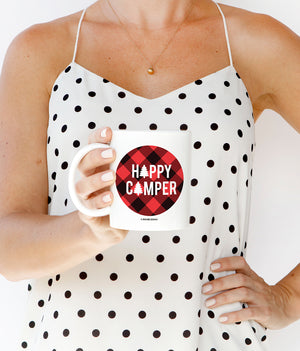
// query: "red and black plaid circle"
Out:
[149,180]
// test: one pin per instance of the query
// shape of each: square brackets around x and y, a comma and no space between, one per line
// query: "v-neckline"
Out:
[142,98]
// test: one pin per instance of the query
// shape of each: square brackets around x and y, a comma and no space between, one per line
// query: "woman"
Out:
[123,64]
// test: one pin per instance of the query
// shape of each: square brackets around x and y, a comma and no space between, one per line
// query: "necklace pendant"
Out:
[150,70]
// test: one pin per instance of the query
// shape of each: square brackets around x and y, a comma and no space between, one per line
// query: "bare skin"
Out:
[266,55]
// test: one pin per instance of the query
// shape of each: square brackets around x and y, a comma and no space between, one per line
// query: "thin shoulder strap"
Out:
[226,33]
[77,36]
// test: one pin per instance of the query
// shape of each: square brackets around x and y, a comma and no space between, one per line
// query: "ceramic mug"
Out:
[151,191]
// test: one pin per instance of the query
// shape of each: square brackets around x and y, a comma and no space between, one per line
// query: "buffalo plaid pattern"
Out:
[132,193]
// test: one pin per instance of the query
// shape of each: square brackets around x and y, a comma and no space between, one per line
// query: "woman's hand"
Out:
[93,187]
[266,303]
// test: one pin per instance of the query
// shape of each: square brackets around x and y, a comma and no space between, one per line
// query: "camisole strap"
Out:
[77,36]
[226,33]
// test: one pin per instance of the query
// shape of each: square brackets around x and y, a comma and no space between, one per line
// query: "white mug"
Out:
[151,191]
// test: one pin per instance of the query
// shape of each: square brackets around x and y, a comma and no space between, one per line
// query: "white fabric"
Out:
[144,294]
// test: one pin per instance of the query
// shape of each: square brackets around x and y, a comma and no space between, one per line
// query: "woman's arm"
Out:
[32,243]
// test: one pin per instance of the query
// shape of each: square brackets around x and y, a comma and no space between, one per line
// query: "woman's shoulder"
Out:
[46,46]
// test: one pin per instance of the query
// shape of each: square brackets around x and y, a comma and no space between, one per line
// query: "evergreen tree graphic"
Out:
[138,189]
[144,172]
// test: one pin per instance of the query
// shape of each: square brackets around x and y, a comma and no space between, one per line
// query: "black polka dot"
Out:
[81,313]
[92,125]
[83,275]
[234,250]
[107,109]
[66,97]
[55,87]
[188,295]
[204,238]
[248,341]
[64,128]
[197,145]
[198,110]
[24,345]
[190,257]
[76,143]
[128,295]
[156,333]
[126,333]
[217,241]
[122,126]
[183,127]
[214,126]
[233,169]
[176,239]
[146,239]
[54,117]
[192,219]
[160,258]
[78,80]
[41,303]
[212,96]
[66,332]
[78,108]
[142,314]
[194,182]
[97,295]
[231,228]
[144,276]
[211,277]
[129,258]
[153,126]
[168,110]
[182,96]
[174,277]
[198,82]
[68,69]
[158,296]
[225,336]
[226,146]
[186,333]
[172,315]
[227,112]
[92,94]
[226,83]
[68,294]
[112,314]
[210,163]
[113,277]
[31,324]
[138,110]
[211,314]
[238,101]
[96,333]
[121,94]
[55,315]
[225,205]
[207,201]
[240,133]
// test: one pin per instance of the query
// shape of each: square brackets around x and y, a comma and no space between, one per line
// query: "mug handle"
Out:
[99,212]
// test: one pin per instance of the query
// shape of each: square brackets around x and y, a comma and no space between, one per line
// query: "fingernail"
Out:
[210,302]
[107,176]
[215,266]
[103,133]
[206,288]
[223,319]
[107,153]
[106,198]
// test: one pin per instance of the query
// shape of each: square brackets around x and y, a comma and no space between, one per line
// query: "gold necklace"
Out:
[150,70]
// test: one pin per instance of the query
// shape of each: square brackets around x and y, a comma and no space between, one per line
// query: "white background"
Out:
[274,242]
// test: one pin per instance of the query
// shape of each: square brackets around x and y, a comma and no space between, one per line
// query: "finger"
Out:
[245,314]
[232,263]
[241,294]
[94,159]
[100,201]
[228,282]
[101,135]
[88,185]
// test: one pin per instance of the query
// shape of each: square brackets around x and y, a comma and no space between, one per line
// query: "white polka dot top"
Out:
[144,294]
